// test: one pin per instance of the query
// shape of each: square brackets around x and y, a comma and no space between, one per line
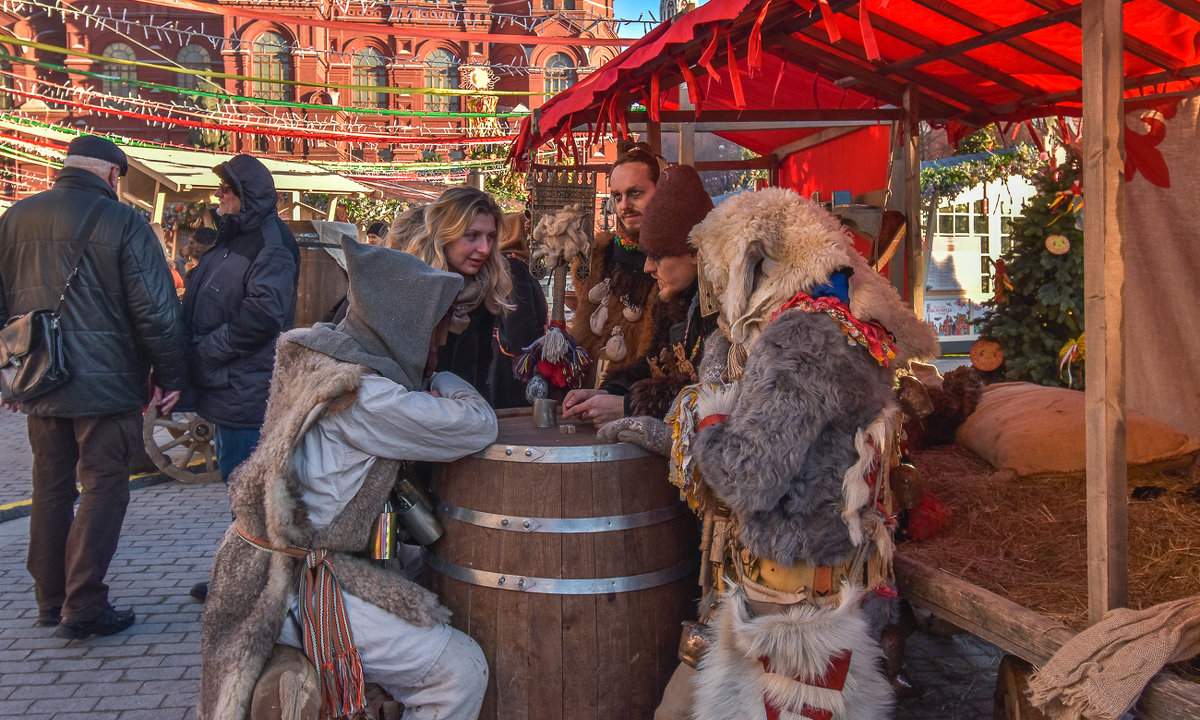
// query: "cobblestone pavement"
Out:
[152,670]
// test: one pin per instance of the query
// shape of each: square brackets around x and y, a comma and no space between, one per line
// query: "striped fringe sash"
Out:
[328,641]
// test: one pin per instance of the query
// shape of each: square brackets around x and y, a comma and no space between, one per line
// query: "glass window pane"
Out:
[962,224]
[117,72]
[272,59]
[985,244]
[981,223]
[945,224]
[441,72]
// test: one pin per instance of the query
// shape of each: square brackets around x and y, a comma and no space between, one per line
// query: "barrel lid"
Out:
[519,440]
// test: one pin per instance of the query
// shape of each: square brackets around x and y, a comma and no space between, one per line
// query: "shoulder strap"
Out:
[85,231]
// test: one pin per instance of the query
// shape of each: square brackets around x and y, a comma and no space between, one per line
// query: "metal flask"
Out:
[383,535]
[416,513]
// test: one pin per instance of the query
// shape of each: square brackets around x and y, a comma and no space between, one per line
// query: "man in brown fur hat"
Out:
[678,203]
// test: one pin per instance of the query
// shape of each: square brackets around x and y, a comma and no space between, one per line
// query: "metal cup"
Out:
[544,413]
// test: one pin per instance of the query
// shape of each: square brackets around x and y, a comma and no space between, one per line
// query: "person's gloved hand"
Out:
[648,432]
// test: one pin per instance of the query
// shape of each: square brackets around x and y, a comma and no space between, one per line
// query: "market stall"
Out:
[1128,69]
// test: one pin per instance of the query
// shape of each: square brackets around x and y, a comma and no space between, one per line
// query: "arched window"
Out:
[441,71]
[116,72]
[7,99]
[272,56]
[560,73]
[370,69]
[192,57]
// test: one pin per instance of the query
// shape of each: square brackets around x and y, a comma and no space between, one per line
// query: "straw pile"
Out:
[1025,538]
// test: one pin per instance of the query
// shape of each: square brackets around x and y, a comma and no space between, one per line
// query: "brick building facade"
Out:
[313,42]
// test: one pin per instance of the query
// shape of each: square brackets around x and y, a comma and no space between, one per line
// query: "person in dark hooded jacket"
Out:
[239,298]
[119,320]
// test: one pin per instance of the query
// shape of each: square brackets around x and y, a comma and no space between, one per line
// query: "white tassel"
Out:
[716,399]
[555,345]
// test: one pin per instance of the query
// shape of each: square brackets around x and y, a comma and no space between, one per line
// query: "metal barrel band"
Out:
[562,455]
[560,586]
[602,523]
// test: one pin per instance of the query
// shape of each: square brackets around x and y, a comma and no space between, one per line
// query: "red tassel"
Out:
[735,79]
[870,46]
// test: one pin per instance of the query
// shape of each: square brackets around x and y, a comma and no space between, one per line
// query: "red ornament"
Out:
[545,368]
[559,378]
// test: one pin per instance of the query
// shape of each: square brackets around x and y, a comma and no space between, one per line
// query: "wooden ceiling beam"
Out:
[1191,8]
[1068,14]
[761,116]
[967,63]
[1133,46]
[970,20]
[924,82]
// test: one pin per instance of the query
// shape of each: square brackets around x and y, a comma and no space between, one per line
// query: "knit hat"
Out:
[100,149]
[396,300]
[680,202]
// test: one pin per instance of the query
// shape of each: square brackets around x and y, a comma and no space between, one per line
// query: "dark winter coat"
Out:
[483,353]
[120,318]
[240,297]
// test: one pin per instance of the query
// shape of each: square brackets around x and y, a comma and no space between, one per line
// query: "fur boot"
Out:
[796,661]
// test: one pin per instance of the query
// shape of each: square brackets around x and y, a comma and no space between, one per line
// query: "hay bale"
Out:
[1025,538]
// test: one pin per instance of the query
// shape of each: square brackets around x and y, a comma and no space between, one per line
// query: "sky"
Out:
[630,9]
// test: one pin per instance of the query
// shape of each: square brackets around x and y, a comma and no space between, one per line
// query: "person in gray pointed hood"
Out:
[348,402]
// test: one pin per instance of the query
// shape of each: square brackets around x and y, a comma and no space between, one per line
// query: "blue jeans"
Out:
[233,446]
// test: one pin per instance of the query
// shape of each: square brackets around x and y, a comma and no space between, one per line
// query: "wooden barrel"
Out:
[572,563]
[322,284]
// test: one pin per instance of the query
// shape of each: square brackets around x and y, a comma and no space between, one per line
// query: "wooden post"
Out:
[654,136]
[914,271]
[160,203]
[1104,307]
[687,130]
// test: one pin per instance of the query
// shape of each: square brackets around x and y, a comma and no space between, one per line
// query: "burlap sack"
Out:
[1035,430]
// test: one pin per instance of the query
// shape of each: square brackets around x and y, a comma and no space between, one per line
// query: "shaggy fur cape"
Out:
[642,337]
[248,594]
[780,461]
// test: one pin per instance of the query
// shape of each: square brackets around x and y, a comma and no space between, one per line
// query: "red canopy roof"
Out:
[970,62]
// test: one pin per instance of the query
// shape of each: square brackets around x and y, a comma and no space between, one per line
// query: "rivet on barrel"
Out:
[528,453]
[508,451]
[504,522]
[527,524]
[502,580]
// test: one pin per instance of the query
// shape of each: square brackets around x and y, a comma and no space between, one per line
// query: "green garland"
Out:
[947,183]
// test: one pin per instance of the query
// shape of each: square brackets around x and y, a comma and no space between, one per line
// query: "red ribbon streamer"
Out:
[754,49]
[831,27]
[735,79]
[870,46]
[707,57]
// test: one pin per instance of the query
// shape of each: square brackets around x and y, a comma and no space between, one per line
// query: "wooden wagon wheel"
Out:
[1012,681]
[186,453]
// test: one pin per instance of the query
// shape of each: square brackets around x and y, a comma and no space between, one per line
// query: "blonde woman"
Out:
[501,308]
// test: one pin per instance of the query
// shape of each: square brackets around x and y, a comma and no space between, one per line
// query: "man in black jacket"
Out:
[120,319]
[239,298]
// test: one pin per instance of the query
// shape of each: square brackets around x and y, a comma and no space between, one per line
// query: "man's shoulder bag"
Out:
[32,362]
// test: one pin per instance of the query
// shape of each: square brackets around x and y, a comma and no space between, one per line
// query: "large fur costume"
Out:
[800,458]
[249,591]
[642,336]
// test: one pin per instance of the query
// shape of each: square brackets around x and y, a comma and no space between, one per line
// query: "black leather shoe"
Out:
[199,591]
[50,617]
[108,622]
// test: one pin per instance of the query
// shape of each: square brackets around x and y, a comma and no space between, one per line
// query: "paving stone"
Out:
[64,705]
[37,692]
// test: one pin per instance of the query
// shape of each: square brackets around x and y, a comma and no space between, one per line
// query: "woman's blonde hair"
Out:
[447,220]
[404,227]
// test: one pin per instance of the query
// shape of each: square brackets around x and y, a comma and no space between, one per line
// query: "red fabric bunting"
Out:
[870,47]
[707,57]
[831,27]
[754,46]
[735,80]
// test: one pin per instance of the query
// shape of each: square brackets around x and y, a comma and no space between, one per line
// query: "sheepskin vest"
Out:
[249,590]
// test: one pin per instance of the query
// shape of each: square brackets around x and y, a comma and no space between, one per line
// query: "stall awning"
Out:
[969,62]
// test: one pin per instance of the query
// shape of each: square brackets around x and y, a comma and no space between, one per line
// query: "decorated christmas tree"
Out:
[1037,313]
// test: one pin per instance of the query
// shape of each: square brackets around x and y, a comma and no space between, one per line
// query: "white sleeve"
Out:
[389,421]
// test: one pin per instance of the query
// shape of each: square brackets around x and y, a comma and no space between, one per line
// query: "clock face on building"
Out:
[479,78]
[986,355]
